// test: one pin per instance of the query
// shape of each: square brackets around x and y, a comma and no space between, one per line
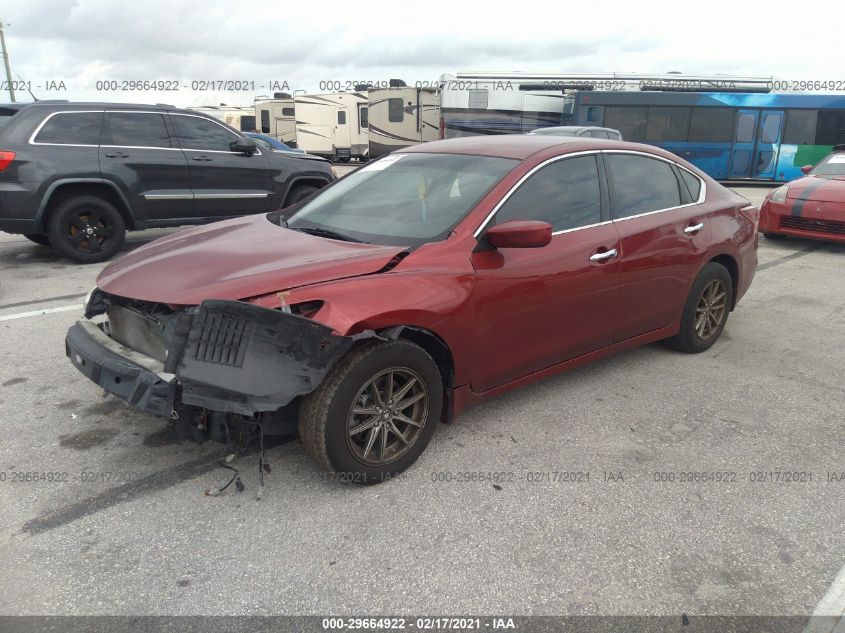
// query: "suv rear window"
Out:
[72,128]
[6,115]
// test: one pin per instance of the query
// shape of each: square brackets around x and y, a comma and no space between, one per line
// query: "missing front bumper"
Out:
[231,357]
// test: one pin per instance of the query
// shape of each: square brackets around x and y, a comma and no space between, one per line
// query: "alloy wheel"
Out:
[89,231]
[387,416]
[711,309]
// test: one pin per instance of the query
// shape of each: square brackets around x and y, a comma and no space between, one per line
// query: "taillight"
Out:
[6,159]
[442,127]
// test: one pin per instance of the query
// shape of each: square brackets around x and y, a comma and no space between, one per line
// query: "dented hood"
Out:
[236,259]
[818,188]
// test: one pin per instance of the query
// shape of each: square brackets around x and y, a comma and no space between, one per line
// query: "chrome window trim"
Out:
[32,140]
[32,136]
[702,194]
[516,186]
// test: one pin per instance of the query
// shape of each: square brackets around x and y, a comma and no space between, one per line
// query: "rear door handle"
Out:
[201,158]
[117,155]
[691,230]
[600,257]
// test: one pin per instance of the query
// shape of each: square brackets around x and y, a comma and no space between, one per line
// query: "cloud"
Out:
[85,41]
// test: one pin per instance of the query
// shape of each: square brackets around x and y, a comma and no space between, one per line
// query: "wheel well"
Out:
[433,345]
[730,263]
[63,192]
[314,182]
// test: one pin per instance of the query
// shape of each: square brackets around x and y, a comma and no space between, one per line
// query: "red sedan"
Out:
[420,284]
[811,207]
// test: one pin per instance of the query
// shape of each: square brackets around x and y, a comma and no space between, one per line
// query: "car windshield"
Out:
[401,199]
[833,165]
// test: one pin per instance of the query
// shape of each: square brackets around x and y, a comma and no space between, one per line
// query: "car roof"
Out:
[106,105]
[520,146]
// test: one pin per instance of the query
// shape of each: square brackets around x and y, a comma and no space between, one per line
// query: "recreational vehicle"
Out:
[239,117]
[333,125]
[276,117]
[402,116]
[514,103]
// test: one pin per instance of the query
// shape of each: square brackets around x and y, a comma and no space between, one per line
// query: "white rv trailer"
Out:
[239,117]
[276,117]
[333,125]
[513,103]
[402,116]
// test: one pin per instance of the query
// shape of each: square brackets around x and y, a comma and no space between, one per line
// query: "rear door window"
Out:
[71,128]
[641,184]
[135,129]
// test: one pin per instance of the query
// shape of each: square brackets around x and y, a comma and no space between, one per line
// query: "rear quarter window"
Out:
[71,128]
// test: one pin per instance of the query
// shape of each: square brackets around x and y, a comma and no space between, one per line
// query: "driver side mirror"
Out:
[244,145]
[519,234]
[807,169]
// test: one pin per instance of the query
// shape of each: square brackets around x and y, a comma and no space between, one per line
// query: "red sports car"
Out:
[812,206]
[420,284]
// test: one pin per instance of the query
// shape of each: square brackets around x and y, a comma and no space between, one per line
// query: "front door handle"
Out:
[600,257]
[117,155]
[695,228]
[204,159]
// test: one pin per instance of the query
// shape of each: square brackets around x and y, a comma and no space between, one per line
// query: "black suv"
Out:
[77,175]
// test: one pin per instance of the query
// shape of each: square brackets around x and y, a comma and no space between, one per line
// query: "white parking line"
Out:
[24,315]
[829,614]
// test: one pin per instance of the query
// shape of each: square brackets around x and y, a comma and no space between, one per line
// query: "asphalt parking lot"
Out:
[125,527]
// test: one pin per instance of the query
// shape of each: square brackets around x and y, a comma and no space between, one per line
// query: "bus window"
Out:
[800,127]
[745,128]
[667,124]
[711,125]
[830,129]
[631,121]
[770,127]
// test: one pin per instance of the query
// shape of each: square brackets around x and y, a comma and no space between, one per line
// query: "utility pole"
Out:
[6,62]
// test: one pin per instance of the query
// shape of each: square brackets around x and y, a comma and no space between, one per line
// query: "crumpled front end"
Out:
[224,356]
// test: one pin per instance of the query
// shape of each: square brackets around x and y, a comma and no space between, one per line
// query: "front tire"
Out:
[706,310]
[86,229]
[375,412]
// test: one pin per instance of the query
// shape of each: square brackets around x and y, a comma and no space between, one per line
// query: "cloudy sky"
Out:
[81,42]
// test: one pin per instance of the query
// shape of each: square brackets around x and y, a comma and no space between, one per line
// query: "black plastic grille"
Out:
[223,339]
[808,224]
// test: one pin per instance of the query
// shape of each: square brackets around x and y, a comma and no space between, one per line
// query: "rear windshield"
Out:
[833,165]
[6,115]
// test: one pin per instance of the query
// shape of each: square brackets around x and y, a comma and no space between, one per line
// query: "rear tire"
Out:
[355,425]
[705,311]
[774,236]
[38,238]
[86,229]
[299,193]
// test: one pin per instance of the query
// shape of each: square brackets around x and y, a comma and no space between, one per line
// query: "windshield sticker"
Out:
[384,163]
[837,158]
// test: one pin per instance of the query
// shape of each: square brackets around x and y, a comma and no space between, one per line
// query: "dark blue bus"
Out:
[728,135]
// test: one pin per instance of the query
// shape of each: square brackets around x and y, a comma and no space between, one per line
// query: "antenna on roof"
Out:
[34,98]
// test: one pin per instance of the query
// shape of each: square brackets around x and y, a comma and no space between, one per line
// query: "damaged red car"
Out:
[419,284]
[811,207]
